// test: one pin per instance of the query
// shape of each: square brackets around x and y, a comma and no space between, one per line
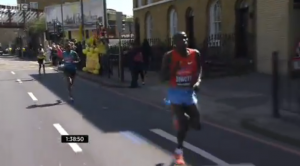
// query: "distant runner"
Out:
[41,59]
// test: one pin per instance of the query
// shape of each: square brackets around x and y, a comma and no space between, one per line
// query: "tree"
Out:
[35,29]
[36,26]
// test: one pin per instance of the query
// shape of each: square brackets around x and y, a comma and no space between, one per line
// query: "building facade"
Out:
[112,29]
[258,27]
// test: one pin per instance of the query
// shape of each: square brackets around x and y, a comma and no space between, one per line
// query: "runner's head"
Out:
[180,40]
[68,47]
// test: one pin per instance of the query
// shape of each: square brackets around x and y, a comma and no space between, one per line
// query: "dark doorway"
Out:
[190,27]
[137,37]
[242,16]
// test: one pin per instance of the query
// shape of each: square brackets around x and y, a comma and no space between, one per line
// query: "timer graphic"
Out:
[74,139]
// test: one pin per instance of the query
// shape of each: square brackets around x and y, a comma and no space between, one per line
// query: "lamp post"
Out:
[62,17]
[82,22]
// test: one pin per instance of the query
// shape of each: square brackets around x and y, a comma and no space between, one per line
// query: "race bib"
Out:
[184,77]
[68,60]
[183,80]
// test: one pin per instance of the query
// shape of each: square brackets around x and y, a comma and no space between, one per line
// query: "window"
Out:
[33,5]
[173,22]
[149,2]
[215,22]
[149,26]
[139,3]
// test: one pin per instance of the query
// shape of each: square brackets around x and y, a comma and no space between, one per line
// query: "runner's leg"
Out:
[194,116]
[68,79]
[182,124]
[44,70]
[71,82]
[40,65]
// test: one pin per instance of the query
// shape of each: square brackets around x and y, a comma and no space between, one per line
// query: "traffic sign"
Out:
[24,6]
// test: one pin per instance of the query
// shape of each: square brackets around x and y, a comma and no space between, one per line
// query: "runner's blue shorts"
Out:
[182,96]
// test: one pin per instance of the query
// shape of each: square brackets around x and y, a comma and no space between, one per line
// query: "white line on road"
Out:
[234,165]
[76,148]
[191,147]
[32,96]
[12,72]
[19,81]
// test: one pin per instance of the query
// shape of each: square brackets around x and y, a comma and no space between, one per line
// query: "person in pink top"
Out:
[59,52]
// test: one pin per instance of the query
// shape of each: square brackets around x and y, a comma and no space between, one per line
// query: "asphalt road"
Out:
[122,131]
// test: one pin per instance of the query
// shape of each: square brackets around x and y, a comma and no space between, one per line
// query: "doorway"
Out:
[137,38]
[241,31]
[190,27]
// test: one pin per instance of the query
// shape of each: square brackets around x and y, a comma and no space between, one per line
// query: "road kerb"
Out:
[100,81]
[249,125]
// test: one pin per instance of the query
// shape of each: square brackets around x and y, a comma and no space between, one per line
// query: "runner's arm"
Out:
[165,70]
[199,63]
[77,59]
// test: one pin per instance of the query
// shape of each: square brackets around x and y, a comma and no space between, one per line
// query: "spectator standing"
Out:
[136,65]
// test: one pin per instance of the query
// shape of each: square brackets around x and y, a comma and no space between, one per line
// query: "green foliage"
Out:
[36,26]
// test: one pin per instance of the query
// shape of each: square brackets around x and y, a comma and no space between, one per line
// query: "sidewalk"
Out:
[237,102]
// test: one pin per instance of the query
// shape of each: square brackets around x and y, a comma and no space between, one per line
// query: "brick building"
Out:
[272,24]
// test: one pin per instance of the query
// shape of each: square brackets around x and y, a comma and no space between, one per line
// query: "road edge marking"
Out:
[75,147]
[190,147]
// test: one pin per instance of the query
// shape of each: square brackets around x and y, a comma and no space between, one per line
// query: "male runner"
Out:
[181,67]
[70,59]
[41,59]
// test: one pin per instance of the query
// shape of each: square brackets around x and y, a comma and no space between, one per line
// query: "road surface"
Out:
[121,131]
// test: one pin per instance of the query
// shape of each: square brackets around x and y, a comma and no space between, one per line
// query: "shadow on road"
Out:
[58,102]
[115,113]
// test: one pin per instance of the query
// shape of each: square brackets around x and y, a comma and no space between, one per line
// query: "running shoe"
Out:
[178,157]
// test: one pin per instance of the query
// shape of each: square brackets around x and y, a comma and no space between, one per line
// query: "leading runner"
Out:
[182,68]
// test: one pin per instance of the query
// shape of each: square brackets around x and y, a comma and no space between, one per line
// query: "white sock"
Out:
[179,151]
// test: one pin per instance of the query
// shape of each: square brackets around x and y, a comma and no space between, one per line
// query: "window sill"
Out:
[152,4]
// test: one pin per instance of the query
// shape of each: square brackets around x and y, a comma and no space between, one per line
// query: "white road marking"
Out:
[32,96]
[19,81]
[135,138]
[76,148]
[234,165]
[13,73]
[191,147]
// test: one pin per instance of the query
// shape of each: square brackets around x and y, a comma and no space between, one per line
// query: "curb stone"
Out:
[248,124]
[90,77]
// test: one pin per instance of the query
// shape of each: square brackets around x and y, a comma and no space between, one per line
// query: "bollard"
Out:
[122,67]
[275,85]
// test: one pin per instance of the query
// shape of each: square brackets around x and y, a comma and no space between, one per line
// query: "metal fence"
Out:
[220,55]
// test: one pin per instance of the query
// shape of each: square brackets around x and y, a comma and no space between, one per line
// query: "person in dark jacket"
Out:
[146,50]
[136,65]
